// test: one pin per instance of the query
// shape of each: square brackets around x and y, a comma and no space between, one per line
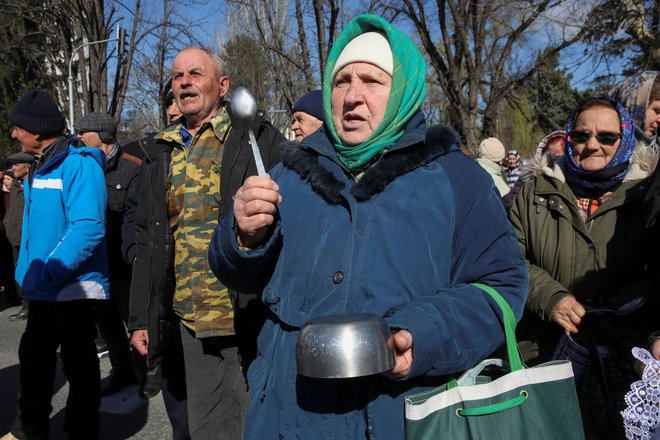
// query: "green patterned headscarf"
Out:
[406,96]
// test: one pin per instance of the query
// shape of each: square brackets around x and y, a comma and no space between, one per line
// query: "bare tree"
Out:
[627,28]
[296,57]
[63,26]
[159,31]
[481,51]
[60,26]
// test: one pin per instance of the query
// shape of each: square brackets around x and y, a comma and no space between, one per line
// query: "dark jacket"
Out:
[606,261]
[403,242]
[153,282]
[148,147]
[121,175]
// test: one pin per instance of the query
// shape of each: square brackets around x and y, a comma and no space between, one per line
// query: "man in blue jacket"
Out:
[63,270]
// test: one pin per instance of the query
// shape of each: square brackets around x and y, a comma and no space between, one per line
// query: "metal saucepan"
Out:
[343,346]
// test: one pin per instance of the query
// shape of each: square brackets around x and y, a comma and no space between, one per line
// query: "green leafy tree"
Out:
[515,126]
[245,64]
[550,94]
[20,69]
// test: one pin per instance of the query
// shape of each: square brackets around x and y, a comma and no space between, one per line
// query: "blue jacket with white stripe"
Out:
[63,253]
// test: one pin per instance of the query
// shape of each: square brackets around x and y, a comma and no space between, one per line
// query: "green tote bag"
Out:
[523,404]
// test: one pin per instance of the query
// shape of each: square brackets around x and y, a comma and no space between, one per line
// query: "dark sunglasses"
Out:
[603,138]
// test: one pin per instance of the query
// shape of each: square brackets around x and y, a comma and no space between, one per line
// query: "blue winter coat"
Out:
[63,252]
[403,242]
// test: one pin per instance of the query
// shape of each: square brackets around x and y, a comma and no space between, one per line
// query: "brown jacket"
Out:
[13,220]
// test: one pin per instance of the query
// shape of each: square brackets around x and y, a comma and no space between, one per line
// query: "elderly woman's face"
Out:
[359,99]
[593,155]
[652,117]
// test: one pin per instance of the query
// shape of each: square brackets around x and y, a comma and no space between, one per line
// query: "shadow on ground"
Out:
[123,415]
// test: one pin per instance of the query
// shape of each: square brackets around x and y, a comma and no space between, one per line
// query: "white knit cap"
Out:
[370,47]
[491,149]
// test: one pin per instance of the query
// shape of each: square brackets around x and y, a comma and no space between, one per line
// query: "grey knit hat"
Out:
[37,113]
[101,123]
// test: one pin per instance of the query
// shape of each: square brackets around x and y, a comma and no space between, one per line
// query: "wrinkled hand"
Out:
[568,313]
[403,358]
[255,205]
[140,341]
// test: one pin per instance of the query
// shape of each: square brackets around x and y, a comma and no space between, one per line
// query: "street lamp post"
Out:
[119,38]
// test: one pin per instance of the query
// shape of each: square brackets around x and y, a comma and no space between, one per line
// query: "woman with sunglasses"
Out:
[580,226]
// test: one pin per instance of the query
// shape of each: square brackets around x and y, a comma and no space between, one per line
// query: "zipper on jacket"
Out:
[150,261]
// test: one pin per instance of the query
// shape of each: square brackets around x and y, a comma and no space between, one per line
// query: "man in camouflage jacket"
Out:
[178,307]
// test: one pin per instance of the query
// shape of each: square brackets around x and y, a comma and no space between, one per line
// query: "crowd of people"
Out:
[199,273]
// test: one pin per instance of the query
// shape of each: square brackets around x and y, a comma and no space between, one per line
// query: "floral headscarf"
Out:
[609,177]
[634,93]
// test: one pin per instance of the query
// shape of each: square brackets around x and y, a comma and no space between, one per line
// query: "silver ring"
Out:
[571,314]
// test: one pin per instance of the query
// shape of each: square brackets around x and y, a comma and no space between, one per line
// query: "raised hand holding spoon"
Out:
[244,107]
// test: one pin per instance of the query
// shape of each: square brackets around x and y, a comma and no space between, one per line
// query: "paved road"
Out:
[123,416]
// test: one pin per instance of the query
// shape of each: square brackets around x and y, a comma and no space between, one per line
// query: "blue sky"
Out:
[210,16]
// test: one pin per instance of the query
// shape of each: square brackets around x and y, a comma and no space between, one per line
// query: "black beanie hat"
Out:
[37,113]
[310,103]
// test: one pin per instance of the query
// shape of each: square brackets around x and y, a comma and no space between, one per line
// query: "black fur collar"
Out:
[304,161]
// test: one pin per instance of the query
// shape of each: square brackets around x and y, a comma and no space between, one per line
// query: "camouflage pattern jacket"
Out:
[154,282]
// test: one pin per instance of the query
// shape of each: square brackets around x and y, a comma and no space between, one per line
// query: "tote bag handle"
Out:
[509,321]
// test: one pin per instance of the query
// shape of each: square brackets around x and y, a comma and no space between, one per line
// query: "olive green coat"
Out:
[606,261]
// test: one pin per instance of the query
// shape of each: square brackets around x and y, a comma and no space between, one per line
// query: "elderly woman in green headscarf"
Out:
[372,214]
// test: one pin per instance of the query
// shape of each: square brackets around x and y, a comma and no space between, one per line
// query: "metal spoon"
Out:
[244,107]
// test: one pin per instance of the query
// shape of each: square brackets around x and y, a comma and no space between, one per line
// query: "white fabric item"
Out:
[47,184]
[641,418]
[370,47]
[82,290]
[547,372]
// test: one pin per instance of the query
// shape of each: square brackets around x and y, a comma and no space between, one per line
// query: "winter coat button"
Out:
[118,186]
[338,277]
